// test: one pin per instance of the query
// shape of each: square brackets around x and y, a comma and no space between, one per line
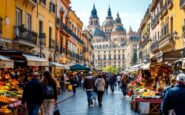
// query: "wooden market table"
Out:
[154,104]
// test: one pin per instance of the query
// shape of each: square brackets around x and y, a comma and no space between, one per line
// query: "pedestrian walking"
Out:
[79,79]
[118,80]
[50,93]
[112,81]
[62,83]
[100,85]
[174,98]
[33,95]
[89,85]
[124,85]
[106,83]
[74,83]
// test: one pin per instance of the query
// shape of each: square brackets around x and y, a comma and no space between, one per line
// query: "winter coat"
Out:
[100,84]
[112,80]
[33,93]
[88,83]
[174,99]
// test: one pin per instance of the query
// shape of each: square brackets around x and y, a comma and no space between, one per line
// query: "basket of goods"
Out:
[5,111]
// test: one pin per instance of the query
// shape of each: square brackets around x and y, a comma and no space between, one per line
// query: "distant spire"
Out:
[118,19]
[94,12]
[118,15]
[130,30]
[109,13]
[94,6]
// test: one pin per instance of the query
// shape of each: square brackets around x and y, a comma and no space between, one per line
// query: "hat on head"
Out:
[181,77]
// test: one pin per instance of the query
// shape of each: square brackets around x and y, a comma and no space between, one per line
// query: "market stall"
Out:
[10,93]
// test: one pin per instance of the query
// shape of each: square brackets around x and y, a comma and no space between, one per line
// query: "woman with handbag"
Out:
[50,93]
[74,83]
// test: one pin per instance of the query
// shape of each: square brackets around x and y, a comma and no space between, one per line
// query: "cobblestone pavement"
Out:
[113,104]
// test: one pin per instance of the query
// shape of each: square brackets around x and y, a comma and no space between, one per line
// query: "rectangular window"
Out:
[28,21]
[18,17]
[1,26]
[50,37]
[52,7]
[43,1]
[40,27]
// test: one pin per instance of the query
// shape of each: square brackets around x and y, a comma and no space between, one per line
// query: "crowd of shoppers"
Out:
[38,92]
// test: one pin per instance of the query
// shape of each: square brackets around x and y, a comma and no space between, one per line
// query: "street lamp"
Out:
[175,35]
[41,36]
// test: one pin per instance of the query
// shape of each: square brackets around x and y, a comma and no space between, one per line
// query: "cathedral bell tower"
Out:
[93,20]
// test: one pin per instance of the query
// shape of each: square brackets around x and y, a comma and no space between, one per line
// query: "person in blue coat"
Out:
[174,98]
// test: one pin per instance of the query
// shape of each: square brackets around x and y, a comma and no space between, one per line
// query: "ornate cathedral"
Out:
[109,40]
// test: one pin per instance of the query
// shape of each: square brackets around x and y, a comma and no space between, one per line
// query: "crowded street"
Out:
[113,104]
[92,57]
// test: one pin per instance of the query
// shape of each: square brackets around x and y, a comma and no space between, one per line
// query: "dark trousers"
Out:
[100,96]
[112,87]
[74,89]
[33,109]
[124,90]
[63,87]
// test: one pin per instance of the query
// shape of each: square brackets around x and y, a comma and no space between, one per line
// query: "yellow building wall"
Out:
[178,20]
[7,13]
[8,9]
[48,20]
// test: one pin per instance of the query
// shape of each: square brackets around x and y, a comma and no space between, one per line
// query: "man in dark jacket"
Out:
[112,82]
[174,98]
[89,85]
[33,95]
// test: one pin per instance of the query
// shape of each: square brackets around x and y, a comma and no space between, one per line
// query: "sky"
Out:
[131,11]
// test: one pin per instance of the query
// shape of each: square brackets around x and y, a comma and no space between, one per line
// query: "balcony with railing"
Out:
[25,36]
[75,36]
[182,4]
[33,3]
[154,47]
[155,20]
[166,41]
[164,9]
[70,32]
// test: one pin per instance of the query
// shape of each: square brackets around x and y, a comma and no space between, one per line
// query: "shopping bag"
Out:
[56,111]
[70,87]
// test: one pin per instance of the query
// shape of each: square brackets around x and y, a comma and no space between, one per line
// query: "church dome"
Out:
[108,22]
[109,19]
[97,32]
[118,28]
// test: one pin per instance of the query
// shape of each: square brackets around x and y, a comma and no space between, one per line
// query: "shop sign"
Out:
[160,58]
[6,64]
[38,63]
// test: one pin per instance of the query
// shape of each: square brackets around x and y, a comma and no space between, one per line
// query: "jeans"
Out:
[33,109]
[49,105]
[89,96]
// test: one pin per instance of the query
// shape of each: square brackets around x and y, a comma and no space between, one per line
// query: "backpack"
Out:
[49,91]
